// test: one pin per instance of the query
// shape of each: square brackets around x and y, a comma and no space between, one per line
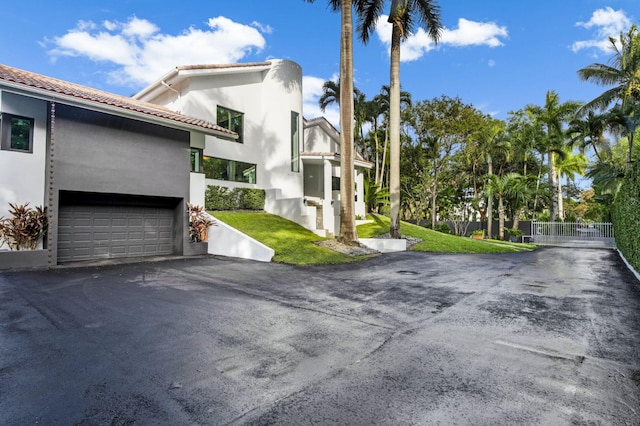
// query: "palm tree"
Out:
[488,141]
[624,75]
[403,16]
[382,99]
[569,165]
[588,130]
[347,234]
[552,117]
[330,94]
[501,187]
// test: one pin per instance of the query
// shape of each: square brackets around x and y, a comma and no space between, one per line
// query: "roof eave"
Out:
[100,107]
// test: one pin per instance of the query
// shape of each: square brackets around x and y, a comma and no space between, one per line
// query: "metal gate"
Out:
[573,234]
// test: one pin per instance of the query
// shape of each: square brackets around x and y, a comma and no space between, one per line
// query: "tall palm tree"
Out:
[501,187]
[347,234]
[383,99]
[552,116]
[404,15]
[489,140]
[623,74]
[330,94]
[568,165]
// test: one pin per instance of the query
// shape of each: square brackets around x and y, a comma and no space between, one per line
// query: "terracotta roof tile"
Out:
[60,87]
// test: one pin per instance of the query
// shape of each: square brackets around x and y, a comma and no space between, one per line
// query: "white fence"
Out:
[573,234]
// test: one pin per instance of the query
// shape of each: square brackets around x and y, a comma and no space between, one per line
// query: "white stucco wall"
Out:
[22,175]
[266,97]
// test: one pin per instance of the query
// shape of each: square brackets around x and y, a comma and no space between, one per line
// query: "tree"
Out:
[489,140]
[623,74]
[588,130]
[501,187]
[347,233]
[403,16]
[568,165]
[552,116]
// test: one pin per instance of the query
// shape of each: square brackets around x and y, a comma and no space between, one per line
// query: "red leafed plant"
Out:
[199,223]
[25,227]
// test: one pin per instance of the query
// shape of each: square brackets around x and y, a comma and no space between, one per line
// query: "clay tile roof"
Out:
[60,87]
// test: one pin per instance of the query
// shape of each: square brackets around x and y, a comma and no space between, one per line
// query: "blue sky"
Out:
[497,55]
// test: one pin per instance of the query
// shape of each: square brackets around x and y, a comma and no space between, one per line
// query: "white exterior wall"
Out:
[266,98]
[22,175]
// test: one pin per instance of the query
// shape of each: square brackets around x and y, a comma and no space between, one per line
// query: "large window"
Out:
[232,120]
[235,171]
[17,133]
[295,142]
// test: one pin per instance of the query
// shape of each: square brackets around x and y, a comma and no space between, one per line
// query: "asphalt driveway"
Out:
[550,337]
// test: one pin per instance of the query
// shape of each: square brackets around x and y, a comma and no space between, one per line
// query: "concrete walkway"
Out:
[549,337]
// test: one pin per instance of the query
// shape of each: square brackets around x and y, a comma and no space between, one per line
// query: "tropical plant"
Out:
[403,16]
[347,234]
[374,195]
[24,229]
[623,74]
[199,223]
[553,116]
[502,186]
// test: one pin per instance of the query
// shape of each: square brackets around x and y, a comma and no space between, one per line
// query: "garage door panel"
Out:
[90,232]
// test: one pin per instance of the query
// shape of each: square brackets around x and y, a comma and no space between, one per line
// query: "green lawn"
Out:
[291,242]
[294,244]
[433,241]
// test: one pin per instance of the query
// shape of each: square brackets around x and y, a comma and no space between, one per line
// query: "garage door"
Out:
[99,232]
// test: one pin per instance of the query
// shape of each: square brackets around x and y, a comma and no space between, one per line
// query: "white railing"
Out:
[573,234]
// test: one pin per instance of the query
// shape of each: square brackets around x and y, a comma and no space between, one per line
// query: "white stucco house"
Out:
[116,173]
[294,160]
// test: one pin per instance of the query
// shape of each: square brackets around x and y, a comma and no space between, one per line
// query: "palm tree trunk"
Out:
[434,195]
[347,191]
[552,182]
[560,200]
[500,217]
[535,198]
[516,217]
[394,130]
[490,205]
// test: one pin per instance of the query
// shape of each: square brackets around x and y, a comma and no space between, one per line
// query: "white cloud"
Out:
[605,23]
[471,33]
[468,33]
[311,92]
[142,53]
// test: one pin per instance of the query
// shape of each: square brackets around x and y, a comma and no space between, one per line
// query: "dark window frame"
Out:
[230,114]
[295,142]
[6,132]
[229,170]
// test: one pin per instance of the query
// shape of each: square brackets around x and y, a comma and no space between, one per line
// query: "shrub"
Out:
[223,198]
[514,232]
[251,199]
[25,227]
[626,220]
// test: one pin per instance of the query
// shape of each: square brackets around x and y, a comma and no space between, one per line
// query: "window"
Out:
[196,160]
[335,183]
[235,171]
[295,142]
[17,133]
[232,120]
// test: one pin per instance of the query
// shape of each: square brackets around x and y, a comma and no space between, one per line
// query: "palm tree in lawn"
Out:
[623,74]
[347,234]
[502,187]
[552,116]
[488,141]
[403,16]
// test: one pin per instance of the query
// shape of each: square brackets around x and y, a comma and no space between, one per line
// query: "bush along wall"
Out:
[222,198]
[626,217]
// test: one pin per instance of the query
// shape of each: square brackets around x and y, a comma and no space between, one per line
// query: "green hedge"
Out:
[222,198]
[626,217]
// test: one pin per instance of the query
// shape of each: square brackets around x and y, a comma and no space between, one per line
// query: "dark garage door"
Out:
[98,232]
